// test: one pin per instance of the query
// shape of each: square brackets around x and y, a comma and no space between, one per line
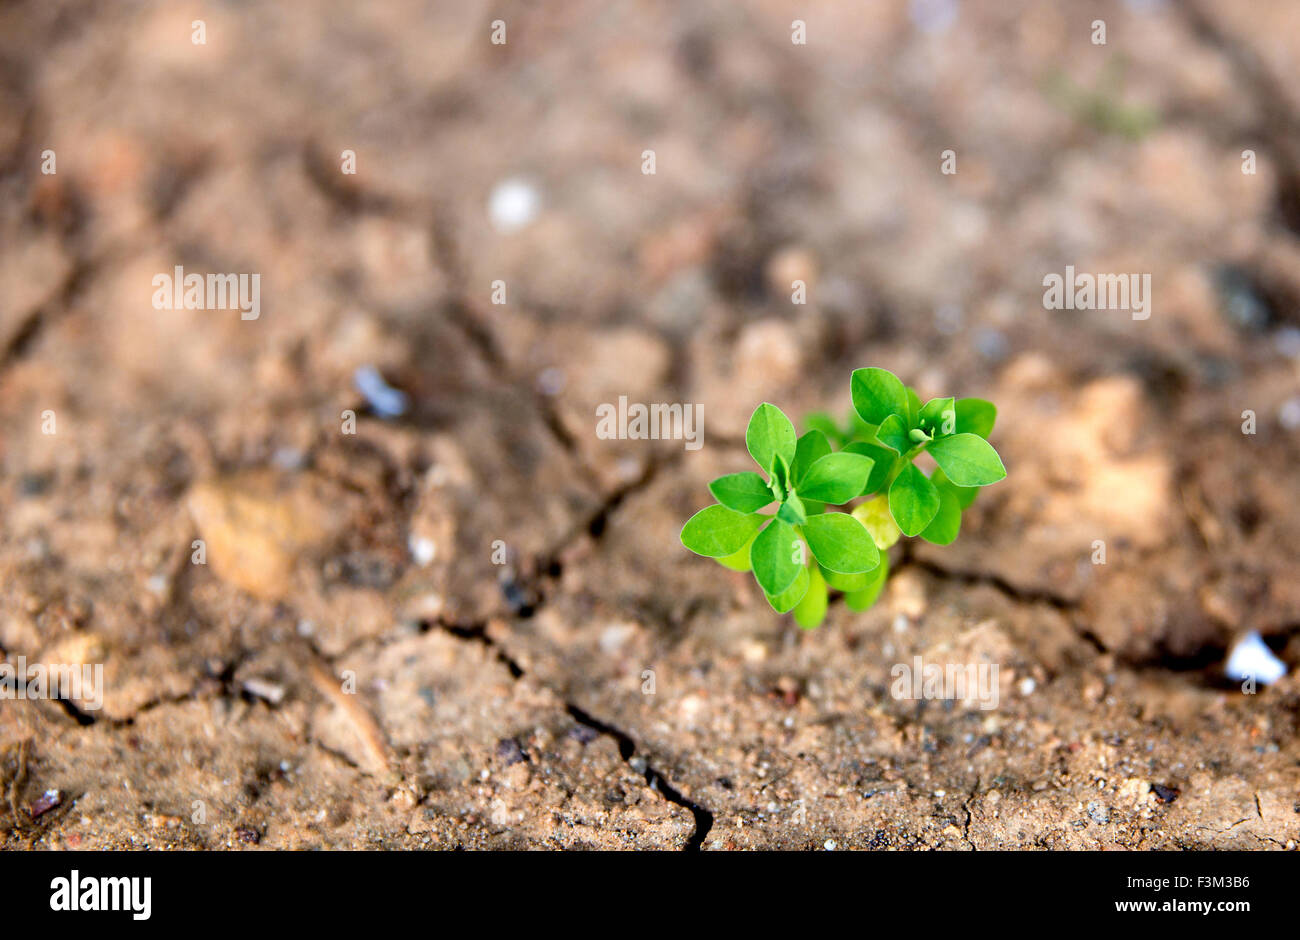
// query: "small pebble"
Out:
[583,734]
[512,204]
[44,803]
[1252,659]
[289,458]
[551,381]
[422,550]
[510,752]
[1165,794]
[384,400]
[264,689]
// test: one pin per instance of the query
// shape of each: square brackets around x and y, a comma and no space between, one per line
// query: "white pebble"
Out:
[512,204]
[1252,659]
[386,401]
[423,550]
[1027,686]
[551,381]
[829,845]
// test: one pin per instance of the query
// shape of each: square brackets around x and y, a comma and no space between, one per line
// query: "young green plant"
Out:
[784,526]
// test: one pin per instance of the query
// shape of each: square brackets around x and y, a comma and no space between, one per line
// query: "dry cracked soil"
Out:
[473,626]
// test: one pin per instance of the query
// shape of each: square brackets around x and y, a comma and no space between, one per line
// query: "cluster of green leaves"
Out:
[803,549]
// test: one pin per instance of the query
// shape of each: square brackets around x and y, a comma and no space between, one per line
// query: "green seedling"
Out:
[830,503]
[1102,106]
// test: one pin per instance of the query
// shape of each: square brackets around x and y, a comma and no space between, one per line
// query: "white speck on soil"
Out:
[384,400]
[512,204]
[423,550]
[1252,659]
[551,381]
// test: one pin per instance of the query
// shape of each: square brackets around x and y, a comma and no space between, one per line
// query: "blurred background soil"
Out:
[505,705]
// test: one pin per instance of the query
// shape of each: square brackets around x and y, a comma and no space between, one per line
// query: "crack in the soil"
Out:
[656,781]
[1011,591]
[548,563]
[653,778]
[21,339]
[965,832]
[446,256]
[477,632]
[1016,593]
[322,172]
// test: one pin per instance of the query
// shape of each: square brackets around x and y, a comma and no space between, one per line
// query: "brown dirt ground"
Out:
[501,705]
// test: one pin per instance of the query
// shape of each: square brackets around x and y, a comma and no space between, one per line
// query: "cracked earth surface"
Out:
[315,685]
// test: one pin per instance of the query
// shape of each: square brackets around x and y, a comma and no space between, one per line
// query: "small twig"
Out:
[18,779]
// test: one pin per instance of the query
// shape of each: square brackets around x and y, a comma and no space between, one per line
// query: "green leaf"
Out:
[792,510]
[976,416]
[837,478]
[943,529]
[877,394]
[938,413]
[779,478]
[883,462]
[841,543]
[860,600]
[965,494]
[787,599]
[913,407]
[810,448]
[775,567]
[740,560]
[743,492]
[847,582]
[913,500]
[810,611]
[874,514]
[893,434]
[769,434]
[717,531]
[967,459]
